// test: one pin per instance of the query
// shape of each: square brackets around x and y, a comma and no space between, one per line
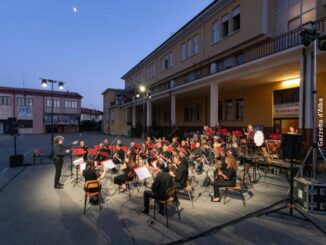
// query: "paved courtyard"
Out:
[32,212]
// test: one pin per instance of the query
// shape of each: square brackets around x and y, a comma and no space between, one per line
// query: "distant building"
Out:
[88,114]
[33,110]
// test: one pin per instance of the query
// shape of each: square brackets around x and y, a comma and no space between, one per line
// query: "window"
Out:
[196,44]
[225,25]
[216,32]
[236,19]
[71,104]
[56,103]
[138,77]
[112,116]
[25,123]
[23,101]
[183,51]
[167,62]
[294,24]
[220,111]
[192,113]
[5,100]
[151,71]
[239,109]
[191,76]
[286,96]
[190,47]
[229,110]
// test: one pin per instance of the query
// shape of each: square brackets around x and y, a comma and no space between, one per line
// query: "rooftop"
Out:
[41,92]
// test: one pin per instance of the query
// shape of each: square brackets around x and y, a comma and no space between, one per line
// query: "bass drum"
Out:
[259,138]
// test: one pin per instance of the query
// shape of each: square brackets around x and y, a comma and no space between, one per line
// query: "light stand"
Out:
[311,35]
[44,83]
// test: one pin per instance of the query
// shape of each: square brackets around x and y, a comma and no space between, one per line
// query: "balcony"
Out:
[243,56]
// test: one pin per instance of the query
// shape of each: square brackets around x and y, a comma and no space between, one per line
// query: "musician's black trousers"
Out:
[58,161]
[149,194]
[121,179]
[221,183]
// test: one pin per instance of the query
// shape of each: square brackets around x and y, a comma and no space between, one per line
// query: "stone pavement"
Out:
[32,212]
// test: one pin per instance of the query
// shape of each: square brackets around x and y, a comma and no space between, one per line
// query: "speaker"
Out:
[13,125]
[292,146]
[16,161]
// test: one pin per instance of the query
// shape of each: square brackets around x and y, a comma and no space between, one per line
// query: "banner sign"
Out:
[286,110]
[25,112]
[61,119]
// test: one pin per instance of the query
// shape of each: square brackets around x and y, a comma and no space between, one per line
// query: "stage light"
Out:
[307,37]
[142,88]
[44,83]
[61,85]
[74,9]
[291,82]
[149,96]
[137,95]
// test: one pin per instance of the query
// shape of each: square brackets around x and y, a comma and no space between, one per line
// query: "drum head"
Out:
[259,138]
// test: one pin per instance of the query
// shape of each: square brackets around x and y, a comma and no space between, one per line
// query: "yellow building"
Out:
[237,62]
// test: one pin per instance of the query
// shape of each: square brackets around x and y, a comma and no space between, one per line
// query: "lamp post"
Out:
[146,96]
[44,84]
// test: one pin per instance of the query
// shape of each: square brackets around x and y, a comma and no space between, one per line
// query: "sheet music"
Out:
[78,161]
[109,164]
[142,173]
[82,166]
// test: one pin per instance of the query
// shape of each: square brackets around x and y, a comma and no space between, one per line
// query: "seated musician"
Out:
[175,142]
[119,142]
[100,153]
[106,144]
[158,147]
[222,158]
[128,173]
[225,179]
[166,155]
[196,157]
[133,149]
[292,130]
[83,146]
[118,155]
[162,182]
[89,174]
[184,158]
[185,146]
[180,174]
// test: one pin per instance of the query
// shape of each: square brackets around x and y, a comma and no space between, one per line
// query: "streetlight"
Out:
[44,84]
[142,90]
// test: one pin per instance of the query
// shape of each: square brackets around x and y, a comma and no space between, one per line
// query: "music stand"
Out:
[77,163]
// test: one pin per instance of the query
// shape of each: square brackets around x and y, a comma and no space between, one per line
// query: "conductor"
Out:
[58,154]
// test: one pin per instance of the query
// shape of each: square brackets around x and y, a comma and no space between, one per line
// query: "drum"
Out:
[259,138]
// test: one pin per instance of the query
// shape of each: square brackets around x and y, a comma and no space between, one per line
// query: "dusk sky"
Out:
[89,49]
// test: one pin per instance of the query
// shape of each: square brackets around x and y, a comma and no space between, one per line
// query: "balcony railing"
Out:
[272,46]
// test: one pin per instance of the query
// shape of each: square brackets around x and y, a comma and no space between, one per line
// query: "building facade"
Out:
[88,114]
[33,110]
[237,62]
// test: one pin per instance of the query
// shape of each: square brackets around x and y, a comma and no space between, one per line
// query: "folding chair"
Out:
[92,188]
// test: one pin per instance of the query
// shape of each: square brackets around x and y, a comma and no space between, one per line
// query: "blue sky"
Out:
[91,49]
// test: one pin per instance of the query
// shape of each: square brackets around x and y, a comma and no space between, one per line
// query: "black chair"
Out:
[170,198]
